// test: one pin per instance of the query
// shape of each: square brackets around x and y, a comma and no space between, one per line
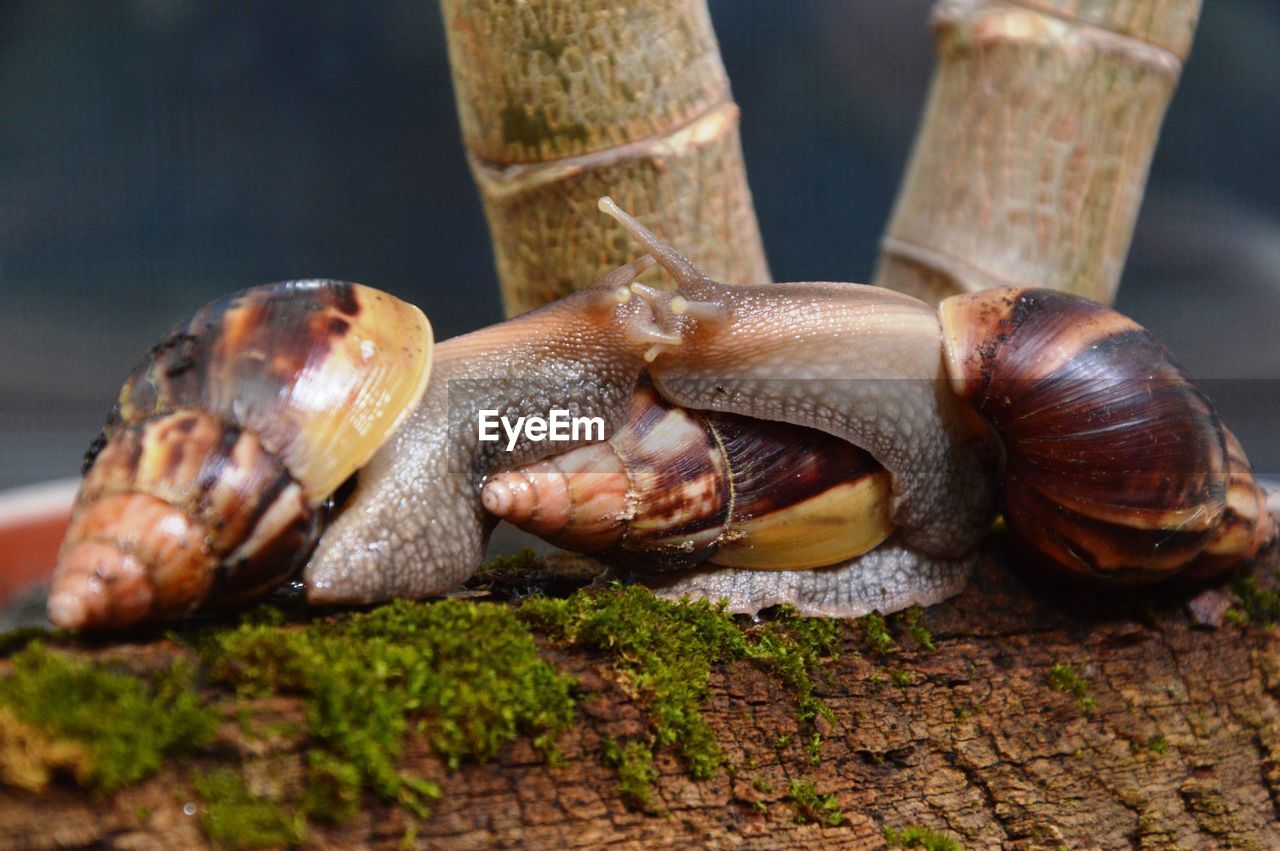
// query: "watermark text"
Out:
[558,425]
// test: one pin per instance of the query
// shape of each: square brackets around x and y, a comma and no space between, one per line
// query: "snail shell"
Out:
[1115,465]
[673,488]
[209,478]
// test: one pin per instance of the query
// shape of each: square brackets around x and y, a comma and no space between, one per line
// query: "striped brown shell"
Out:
[225,441]
[1115,464]
[673,488]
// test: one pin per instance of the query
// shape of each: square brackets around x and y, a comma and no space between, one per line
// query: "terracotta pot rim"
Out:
[37,502]
[33,520]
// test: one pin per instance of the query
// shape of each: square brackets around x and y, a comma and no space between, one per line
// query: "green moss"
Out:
[409,840]
[233,817]
[809,806]
[1235,617]
[900,678]
[911,619]
[465,675]
[663,654]
[1157,745]
[915,836]
[14,640]
[1063,677]
[875,632]
[813,749]
[1262,605]
[516,564]
[127,726]
[792,648]
[29,759]
[636,774]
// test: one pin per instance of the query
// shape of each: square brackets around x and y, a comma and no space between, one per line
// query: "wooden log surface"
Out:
[1171,739]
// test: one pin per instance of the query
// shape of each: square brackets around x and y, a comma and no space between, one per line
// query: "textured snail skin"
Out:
[861,363]
[414,525]
[887,579]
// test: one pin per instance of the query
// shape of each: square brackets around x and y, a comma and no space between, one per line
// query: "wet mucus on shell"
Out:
[673,488]
[208,479]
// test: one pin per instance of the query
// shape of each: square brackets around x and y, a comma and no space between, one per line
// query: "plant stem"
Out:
[1032,155]
[563,101]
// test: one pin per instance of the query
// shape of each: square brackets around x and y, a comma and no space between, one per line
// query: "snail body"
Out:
[416,525]
[806,405]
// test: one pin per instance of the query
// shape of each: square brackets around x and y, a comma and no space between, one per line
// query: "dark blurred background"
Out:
[156,153]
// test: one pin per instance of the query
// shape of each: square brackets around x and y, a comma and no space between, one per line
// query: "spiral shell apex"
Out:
[210,475]
[1116,466]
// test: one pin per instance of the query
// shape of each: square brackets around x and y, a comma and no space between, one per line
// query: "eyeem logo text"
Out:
[557,425]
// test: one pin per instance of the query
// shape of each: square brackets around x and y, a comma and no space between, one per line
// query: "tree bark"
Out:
[972,739]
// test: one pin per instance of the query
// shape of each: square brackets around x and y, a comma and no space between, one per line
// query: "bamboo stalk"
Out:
[563,101]
[1033,152]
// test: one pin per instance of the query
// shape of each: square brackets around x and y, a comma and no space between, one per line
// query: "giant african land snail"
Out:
[1114,465]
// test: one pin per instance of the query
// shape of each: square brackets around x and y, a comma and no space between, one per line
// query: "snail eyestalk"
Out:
[676,264]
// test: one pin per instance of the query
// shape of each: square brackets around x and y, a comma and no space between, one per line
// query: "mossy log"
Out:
[1017,714]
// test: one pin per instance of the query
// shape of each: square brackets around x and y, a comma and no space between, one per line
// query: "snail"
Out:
[1113,464]
[209,478]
